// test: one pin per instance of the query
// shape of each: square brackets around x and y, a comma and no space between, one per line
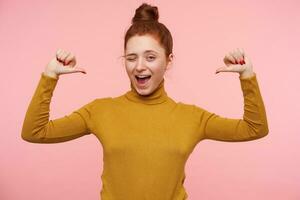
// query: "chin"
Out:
[144,91]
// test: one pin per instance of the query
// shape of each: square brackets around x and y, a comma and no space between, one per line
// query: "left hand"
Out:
[237,61]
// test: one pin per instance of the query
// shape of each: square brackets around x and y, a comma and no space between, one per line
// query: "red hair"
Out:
[145,21]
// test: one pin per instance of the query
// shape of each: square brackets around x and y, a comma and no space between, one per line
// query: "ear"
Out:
[170,61]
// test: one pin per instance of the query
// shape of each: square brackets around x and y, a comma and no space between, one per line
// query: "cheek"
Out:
[157,66]
[158,69]
[128,68]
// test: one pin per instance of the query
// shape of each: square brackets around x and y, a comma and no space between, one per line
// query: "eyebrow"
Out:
[147,51]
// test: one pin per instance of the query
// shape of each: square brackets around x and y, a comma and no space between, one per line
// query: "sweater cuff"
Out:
[249,83]
[48,83]
[48,77]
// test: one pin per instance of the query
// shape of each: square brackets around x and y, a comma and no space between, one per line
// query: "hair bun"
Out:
[145,12]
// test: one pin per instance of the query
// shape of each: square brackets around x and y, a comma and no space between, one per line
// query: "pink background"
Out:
[203,32]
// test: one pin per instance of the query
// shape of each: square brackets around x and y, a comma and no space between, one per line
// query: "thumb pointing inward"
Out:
[75,70]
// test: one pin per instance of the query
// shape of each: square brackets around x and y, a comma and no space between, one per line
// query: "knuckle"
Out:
[232,53]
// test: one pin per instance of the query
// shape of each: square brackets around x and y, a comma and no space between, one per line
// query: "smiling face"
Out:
[144,56]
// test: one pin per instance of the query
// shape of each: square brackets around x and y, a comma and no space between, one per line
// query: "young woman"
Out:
[146,136]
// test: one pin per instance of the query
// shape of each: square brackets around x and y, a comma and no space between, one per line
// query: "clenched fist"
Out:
[63,63]
[237,61]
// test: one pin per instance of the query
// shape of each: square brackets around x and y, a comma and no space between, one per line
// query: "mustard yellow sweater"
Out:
[146,140]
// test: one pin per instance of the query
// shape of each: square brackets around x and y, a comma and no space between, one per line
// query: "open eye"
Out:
[151,57]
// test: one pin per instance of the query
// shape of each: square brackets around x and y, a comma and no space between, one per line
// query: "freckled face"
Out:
[144,56]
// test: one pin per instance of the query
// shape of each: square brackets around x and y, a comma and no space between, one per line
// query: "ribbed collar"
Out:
[158,96]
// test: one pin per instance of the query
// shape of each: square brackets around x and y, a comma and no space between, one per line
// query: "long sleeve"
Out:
[37,128]
[254,124]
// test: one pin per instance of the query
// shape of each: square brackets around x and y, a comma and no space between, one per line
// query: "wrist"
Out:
[51,74]
[246,74]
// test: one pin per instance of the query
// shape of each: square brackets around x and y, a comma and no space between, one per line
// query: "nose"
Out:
[140,66]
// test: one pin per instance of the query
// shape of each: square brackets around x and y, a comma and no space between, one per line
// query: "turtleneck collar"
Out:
[158,96]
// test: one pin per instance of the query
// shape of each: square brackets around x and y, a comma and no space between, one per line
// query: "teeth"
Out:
[143,76]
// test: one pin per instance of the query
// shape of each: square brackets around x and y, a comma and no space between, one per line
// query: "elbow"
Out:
[263,130]
[258,128]
[28,137]
[33,133]
[31,136]
[26,134]
[31,139]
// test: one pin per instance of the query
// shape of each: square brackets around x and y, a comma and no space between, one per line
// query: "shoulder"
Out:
[186,107]
[102,101]
[97,103]
[191,108]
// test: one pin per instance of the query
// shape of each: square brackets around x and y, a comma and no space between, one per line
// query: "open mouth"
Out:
[142,79]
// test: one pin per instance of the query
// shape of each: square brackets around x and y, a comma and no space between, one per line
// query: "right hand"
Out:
[63,63]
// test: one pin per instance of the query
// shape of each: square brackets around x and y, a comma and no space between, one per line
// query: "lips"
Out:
[142,80]
[142,76]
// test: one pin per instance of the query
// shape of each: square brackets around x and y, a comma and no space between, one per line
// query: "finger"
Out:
[78,69]
[64,56]
[240,56]
[61,55]
[246,59]
[229,59]
[74,70]
[224,69]
[231,68]
[237,56]
[242,52]
[233,54]
[70,58]
[58,53]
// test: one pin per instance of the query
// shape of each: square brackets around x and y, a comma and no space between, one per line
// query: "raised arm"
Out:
[37,127]
[254,124]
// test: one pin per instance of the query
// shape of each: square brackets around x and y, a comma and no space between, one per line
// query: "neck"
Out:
[158,96]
